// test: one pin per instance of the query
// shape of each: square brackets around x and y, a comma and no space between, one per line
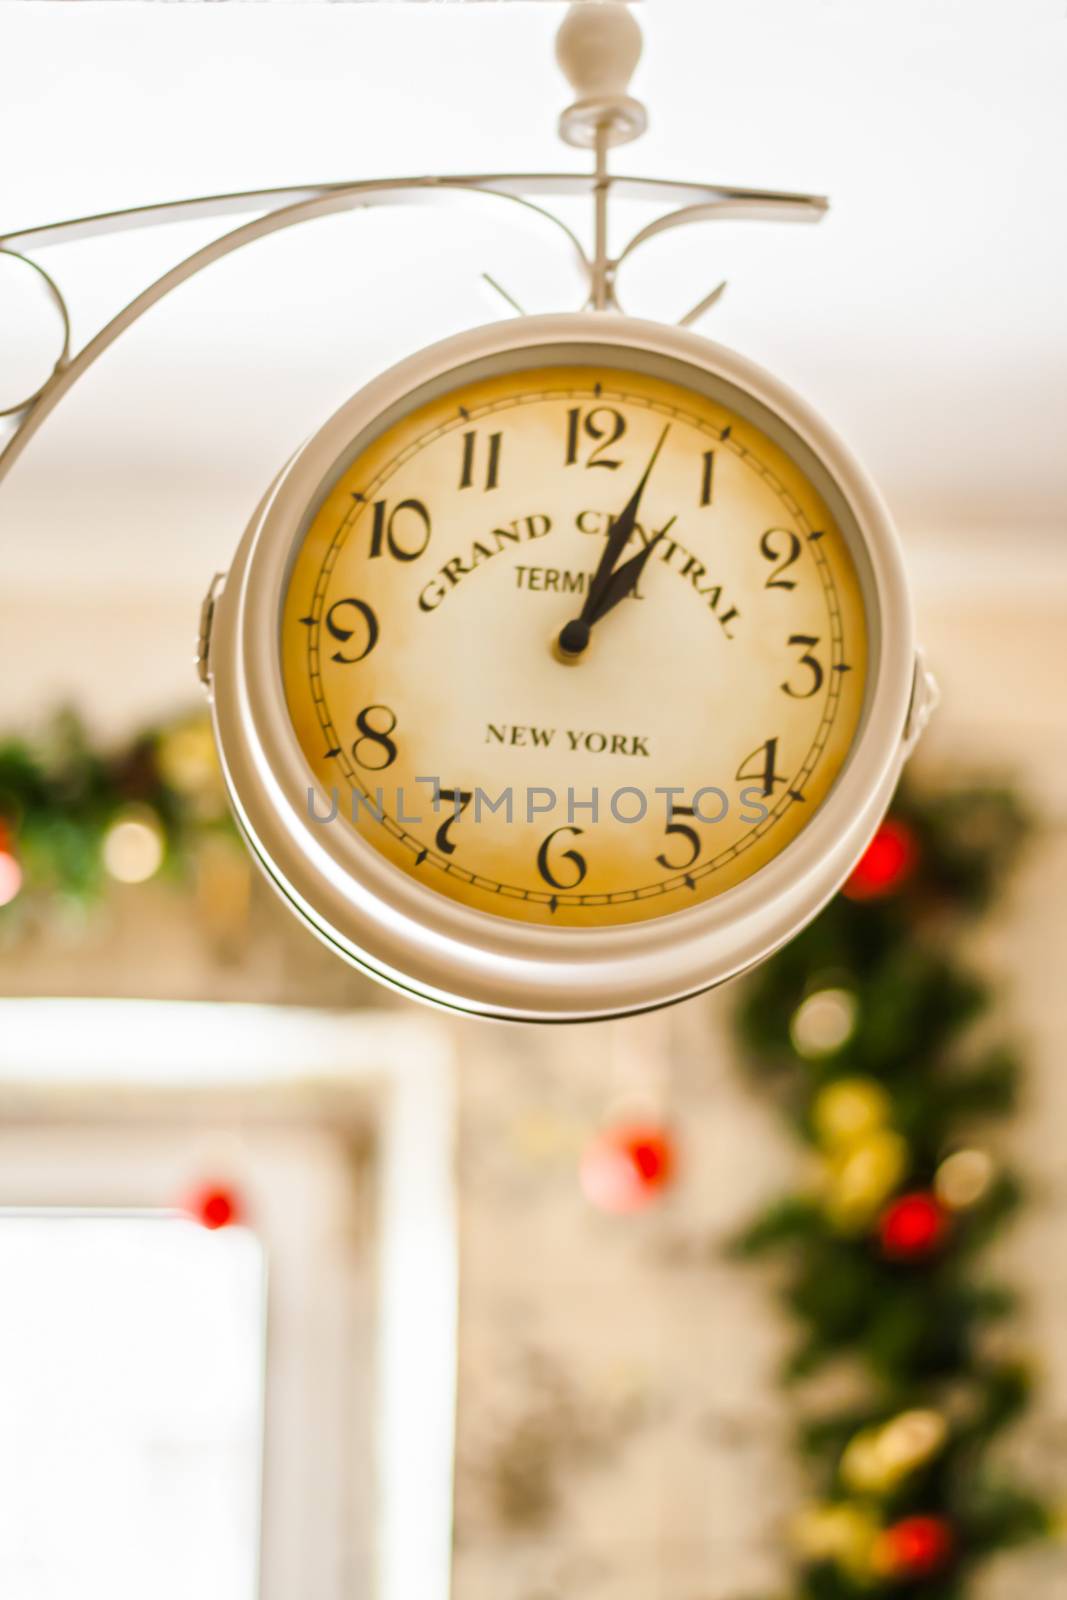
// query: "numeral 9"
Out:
[336,627]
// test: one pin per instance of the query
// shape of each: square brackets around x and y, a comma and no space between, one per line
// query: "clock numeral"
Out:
[545,870]
[603,425]
[387,526]
[459,800]
[765,759]
[708,479]
[686,832]
[769,553]
[492,466]
[376,737]
[335,620]
[809,661]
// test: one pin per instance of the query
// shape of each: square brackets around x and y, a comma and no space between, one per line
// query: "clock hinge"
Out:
[925,698]
[207,617]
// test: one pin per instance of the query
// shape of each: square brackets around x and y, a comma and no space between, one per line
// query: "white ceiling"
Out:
[926,317]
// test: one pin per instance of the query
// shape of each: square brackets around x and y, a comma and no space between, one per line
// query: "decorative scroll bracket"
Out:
[598,47]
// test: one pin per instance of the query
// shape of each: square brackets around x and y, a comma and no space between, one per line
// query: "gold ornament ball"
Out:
[863,1178]
[823,1023]
[849,1111]
[912,1439]
[861,1467]
[963,1179]
[842,1533]
[878,1459]
[187,763]
[134,846]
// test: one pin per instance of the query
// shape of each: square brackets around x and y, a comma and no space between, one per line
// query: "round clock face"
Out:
[574,645]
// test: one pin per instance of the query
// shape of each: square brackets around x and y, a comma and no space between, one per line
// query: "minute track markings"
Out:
[643,402]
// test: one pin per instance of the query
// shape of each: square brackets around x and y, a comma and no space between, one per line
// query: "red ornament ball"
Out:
[10,871]
[886,864]
[626,1168]
[215,1206]
[916,1547]
[913,1227]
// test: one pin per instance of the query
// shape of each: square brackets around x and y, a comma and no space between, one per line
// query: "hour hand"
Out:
[624,579]
[575,636]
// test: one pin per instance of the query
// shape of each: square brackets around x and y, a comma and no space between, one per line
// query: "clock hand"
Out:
[575,636]
[624,579]
[619,534]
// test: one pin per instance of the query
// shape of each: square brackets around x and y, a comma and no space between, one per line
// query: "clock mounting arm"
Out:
[598,48]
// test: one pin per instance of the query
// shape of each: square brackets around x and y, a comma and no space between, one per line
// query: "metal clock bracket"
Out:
[925,699]
[598,48]
[203,638]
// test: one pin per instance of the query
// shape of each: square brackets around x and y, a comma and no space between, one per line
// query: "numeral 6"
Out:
[568,855]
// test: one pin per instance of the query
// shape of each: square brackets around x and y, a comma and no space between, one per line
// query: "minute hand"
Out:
[618,538]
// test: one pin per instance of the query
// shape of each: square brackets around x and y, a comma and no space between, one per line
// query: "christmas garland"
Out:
[74,818]
[860,1029]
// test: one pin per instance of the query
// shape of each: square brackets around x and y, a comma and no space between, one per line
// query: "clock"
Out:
[566,671]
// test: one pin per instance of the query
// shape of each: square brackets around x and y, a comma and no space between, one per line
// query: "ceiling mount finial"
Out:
[598,47]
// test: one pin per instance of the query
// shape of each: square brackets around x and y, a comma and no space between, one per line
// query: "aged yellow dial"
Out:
[574,645]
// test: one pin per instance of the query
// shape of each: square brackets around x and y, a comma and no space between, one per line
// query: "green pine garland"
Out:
[907,1496]
[61,797]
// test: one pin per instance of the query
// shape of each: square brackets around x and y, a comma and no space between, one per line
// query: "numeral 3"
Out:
[809,661]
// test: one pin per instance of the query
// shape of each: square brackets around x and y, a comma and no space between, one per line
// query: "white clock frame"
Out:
[405,934]
[412,937]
